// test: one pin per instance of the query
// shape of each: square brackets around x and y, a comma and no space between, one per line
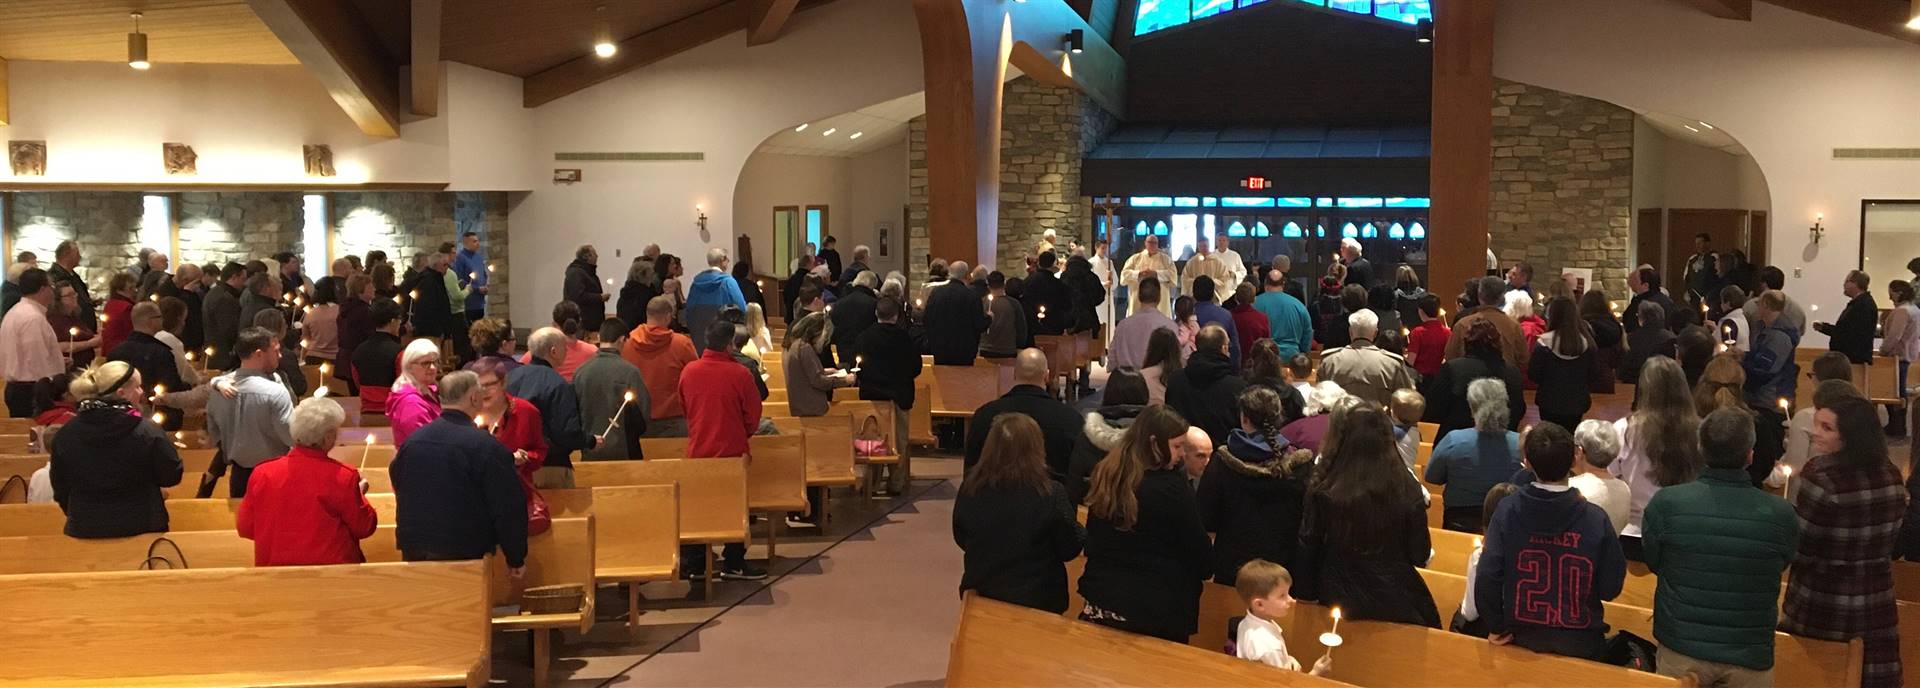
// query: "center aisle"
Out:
[878,609]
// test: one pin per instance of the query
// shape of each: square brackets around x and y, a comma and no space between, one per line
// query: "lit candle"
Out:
[320,392]
[1336,621]
[1786,481]
[304,344]
[209,351]
[159,418]
[366,451]
[1786,407]
[415,294]
[856,363]
[159,391]
[325,368]
[480,421]
[73,332]
[1331,638]
[1443,314]
[154,298]
[917,303]
[473,275]
[1816,308]
[489,267]
[615,420]
[104,318]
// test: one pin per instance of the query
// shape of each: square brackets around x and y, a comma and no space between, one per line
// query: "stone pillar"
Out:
[1562,183]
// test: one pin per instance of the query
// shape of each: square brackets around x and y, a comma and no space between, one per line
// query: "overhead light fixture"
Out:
[137,46]
[1704,124]
[1690,128]
[1913,16]
[1423,31]
[605,49]
[801,128]
[1076,41]
[856,135]
[829,131]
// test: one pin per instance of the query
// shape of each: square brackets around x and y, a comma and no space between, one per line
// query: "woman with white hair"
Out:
[414,403]
[1470,461]
[1596,443]
[1310,433]
[1519,306]
[304,508]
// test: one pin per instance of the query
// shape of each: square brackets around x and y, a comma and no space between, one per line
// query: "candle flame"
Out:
[479,421]
[1786,471]
[209,351]
[189,357]
[104,318]
[369,439]
[159,390]
[629,396]
[1336,613]
[159,419]
[73,332]
[1783,404]
[413,294]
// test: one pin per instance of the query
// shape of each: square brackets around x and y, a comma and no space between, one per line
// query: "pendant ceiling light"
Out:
[137,46]
[1913,16]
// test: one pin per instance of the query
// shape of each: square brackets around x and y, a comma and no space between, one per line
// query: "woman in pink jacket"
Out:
[413,402]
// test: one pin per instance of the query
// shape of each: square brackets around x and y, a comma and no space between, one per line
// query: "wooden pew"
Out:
[370,625]
[1909,633]
[189,486]
[1906,584]
[713,496]
[957,391]
[999,644]
[16,426]
[829,450]
[636,534]
[16,444]
[777,481]
[376,456]
[1798,661]
[1388,654]
[22,465]
[880,414]
[564,555]
[197,460]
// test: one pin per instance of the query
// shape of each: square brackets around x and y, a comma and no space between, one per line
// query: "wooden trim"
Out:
[163,187]
[338,47]
[1741,10]
[1461,172]
[424,70]
[5,89]
[636,52]
[767,18]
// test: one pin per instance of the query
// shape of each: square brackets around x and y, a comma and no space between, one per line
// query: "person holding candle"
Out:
[888,374]
[1659,442]
[455,488]
[1266,589]
[540,383]
[153,358]
[29,349]
[1549,559]
[516,423]
[304,508]
[108,464]
[611,389]
[220,314]
[251,426]
[79,343]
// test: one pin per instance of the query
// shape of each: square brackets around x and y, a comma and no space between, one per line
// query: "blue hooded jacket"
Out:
[712,291]
[1548,561]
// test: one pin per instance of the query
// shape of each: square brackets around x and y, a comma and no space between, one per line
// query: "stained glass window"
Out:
[1186,202]
[1140,229]
[1209,202]
[1417,231]
[1150,201]
[1323,202]
[1320,231]
[1409,203]
[1354,6]
[1232,202]
[1294,202]
[1350,231]
[1360,203]
[1250,3]
[1291,231]
[1208,8]
[1404,11]
[1154,15]
[1397,231]
[1236,229]
[1160,228]
[1260,230]
[1369,231]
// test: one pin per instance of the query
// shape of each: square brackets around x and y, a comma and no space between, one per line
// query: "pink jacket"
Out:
[408,410]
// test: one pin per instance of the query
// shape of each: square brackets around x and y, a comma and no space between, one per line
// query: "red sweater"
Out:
[522,430]
[723,405]
[119,324]
[1251,325]
[305,509]
[1428,343]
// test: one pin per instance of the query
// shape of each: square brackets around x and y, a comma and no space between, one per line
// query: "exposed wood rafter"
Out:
[1884,17]
[335,44]
[423,72]
[4,90]
[767,19]
[1741,10]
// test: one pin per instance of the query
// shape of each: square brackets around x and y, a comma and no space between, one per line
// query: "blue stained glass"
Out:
[1160,228]
[1294,202]
[815,220]
[1260,230]
[1236,229]
[1250,3]
[1323,202]
[1186,202]
[1208,8]
[1368,231]
[1404,11]
[1397,231]
[1150,201]
[1209,202]
[1246,202]
[1320,231]
[1409,202]
[1140,229]
[1100,227]
[1315,3]
[1417,231]
[1350,231]
[1354,6]
[1291,231]
[1154,15]
[1360,203]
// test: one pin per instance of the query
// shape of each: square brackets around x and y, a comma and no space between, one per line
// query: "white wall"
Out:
[1701,177]
[878,183]
[491,133]
[720,99]
[768,181]
[1788,86]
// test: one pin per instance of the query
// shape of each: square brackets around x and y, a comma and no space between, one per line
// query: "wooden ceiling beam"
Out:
[338,47]
[4,90]
[1884,17]
[768,17]
[636,52]
[1741,10]
[423,72]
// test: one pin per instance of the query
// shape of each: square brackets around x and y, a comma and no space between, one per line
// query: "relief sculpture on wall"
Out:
[319,159]
[179,158]
[29,158]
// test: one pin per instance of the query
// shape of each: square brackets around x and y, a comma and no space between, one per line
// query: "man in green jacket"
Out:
[1719,545]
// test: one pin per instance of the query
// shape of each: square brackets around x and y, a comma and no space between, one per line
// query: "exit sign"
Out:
[1256,183]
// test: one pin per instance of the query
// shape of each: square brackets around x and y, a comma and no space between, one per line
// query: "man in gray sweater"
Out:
[602,383]
[253,426]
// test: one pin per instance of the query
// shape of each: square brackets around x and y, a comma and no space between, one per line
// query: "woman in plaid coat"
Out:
[1850,504]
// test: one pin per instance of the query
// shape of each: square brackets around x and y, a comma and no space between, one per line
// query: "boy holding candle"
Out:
[1267,588]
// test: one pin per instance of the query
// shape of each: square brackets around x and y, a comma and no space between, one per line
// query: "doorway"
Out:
[786,220]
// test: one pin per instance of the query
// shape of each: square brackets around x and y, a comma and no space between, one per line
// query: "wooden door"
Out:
[1725,227]
[1649,237]
[1757,238]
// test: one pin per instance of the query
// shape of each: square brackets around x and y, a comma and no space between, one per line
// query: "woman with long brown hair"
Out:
[1014,523]
[1147,552]
[1721,385]
[1163,358]
[1660,443]
[1365,528]
[1563,366]
[1608,336]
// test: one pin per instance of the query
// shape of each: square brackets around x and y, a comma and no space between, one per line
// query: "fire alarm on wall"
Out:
[561,176]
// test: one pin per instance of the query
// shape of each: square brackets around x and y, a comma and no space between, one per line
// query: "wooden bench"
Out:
[636,534]
[713,495]
[376,456]
[21,464]
[999,644]
[1909,633]
[957,391]
[16,444]
[829,450]
[16,426]
[1906,584]
[417,624]
[777,481]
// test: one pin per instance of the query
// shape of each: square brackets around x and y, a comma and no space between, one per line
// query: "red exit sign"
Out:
[1256,183]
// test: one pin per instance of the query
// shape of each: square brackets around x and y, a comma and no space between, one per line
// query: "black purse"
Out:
[6,488]
[148,564]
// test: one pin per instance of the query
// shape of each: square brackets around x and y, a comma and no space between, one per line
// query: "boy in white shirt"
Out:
[1266,587]
[1596,443]
[1408,406]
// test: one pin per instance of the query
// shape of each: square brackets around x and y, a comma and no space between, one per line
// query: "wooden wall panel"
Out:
[1462,167]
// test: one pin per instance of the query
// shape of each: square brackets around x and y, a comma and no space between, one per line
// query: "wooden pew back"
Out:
[376,624]
[21,464]
[777,475]
[376,456]
[713,492]
[829,446]
[1906,584]
[636,528]
[1451,550]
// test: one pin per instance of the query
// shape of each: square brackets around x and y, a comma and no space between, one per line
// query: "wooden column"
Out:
[1462,169]
[4,117]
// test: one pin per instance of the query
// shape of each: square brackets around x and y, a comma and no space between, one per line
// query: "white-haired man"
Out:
[1048,241]
[582,287]
[1149,262]
[1359,271]
[861,254]
[304,508]
[1364,370]
[955,317]
[713,291]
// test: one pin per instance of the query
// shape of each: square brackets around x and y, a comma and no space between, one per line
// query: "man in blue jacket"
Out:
[1549,559]
[455,491]
[713,290]
[470,265]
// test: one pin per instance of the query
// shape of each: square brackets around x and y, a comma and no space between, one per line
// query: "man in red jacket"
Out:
[723,410]
[304,508]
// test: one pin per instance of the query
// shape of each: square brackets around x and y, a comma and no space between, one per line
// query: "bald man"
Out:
[1060,425]
[147,354]
[1198,450]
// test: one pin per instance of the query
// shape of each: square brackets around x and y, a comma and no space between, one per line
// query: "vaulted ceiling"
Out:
[221,31]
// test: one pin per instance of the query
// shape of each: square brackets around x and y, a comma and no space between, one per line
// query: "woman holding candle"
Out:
[413,403]
[513,421]
[1364,528]
[1851,502]
[77,336]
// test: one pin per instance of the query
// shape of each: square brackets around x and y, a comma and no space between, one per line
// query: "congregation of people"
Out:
[1269,443]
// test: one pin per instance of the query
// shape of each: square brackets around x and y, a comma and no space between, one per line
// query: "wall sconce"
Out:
[1817,231]
[1423,31]
[1076,41]
[700,221]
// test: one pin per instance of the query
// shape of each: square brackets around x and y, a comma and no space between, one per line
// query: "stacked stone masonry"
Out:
[1562,183]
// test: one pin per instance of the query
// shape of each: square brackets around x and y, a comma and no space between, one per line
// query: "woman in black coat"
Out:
[1448,403]
[1147,552]
[1609,338]
[109,463]
[1120,403]
[1563,366]
[1365,527]
[1084,288]
[1254,490]
[1014,523]
[642,285]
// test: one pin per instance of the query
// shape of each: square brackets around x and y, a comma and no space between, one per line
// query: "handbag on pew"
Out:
[211,479]
[870,441]
[1632,651]
[539,517]
[6,489]
[148,563]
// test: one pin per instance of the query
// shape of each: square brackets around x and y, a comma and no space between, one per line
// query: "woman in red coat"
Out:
[306,509]
[116,321]
[514,421]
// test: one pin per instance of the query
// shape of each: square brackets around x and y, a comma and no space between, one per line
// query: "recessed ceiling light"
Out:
[856,135]
[828,132]
[1704,124]
[1913,14]
[605,49]
[1690,128]
[801,128]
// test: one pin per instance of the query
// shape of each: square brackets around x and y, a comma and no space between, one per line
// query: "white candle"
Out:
[615,420]
[1786,481]
[365,452]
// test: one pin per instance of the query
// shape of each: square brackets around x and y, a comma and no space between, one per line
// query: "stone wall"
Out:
[1562,183]
[485,213]
[218,227]
[106,224]
[1045,132]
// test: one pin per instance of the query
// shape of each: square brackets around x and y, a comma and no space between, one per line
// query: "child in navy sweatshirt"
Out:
[1549,559]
